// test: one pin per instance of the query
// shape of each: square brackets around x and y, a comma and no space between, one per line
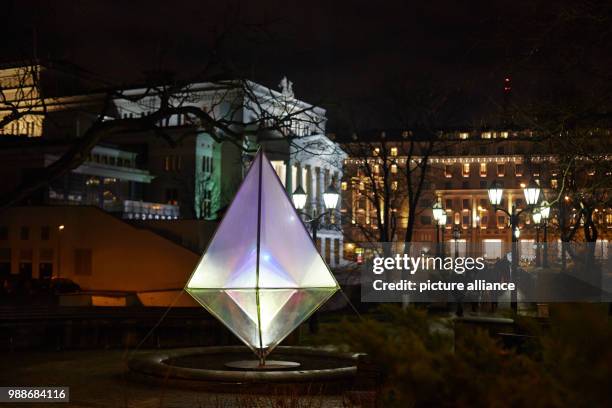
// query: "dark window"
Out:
[449,204]
[44,233]
[45,270]
[425,203]
[337,251]
[3,232]
[425,220]
[448,185]
[500,150]
[24,233]
[5,262]
[483,184]
[82,261]
[465,185]
[172,196]
[466,220]
[25,263]
[328,250]
[484,202]
[466,203]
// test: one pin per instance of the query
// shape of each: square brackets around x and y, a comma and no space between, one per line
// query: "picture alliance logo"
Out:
[411,264]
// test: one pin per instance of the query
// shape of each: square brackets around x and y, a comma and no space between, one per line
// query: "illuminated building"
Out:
[461,168]
[196,176]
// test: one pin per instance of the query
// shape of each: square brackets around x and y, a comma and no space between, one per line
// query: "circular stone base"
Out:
[204,368]
[269,365]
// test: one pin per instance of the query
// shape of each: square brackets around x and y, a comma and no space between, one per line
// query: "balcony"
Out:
[139,210]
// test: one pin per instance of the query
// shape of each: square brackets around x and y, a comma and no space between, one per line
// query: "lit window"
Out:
[466,169]
[501,170]
[394,168]
[486,135]
[554,183]
[483,169]
[376,169]
[376,151]
[504,135]
[344,186]
[464,135]
[394,151]
[448,171]
[518,170]
[394,185]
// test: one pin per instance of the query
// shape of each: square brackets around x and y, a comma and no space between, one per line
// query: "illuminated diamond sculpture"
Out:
[261,274]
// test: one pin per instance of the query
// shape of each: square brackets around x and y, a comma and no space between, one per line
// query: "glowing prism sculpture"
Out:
[261,275]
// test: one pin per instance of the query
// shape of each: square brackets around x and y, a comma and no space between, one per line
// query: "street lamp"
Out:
[545,211]
[537,220]
[60,228]
[532,193]
[438,214]
[330,199]
[299,198]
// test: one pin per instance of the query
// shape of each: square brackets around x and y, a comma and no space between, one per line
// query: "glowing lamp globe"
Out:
[330,197]
[495,193]
[438,212]
[443,218]
[261,275]
[299,198]
[532,193]
[545,210]
[537,217]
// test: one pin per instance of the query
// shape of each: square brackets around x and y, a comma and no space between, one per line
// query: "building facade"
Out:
[181,168]
[461,166]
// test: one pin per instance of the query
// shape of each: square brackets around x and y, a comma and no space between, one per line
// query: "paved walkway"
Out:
[97,380]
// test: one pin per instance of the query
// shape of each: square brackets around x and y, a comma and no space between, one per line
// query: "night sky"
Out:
[333,51]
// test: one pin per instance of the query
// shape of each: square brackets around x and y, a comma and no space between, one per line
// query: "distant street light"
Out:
[60,228]
[545,211]
[532,194]
[537,220]
[439,215]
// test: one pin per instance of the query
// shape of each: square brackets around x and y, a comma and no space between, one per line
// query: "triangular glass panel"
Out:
[261,274]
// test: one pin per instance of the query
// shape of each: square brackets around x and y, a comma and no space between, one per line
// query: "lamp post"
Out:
[456,236]
[438,213]
[442,222]
[532,193]
[60,229]
[330,199]
[545,211]
[537,220]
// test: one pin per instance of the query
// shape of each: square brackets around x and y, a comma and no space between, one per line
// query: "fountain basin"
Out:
[205,368]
